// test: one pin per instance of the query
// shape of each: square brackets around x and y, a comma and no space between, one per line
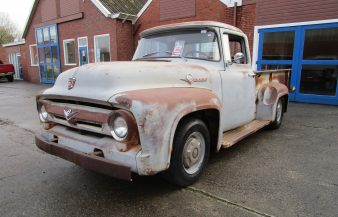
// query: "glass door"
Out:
[318,65]
[48,53]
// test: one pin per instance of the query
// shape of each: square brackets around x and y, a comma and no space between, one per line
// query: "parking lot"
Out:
[289,172]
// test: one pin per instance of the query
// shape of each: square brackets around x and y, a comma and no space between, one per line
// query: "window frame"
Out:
[227,48]
[64,52]
[78,48]
[32,56]
[100,36]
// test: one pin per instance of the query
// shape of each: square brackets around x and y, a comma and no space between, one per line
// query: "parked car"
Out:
[189,90]
[7,71]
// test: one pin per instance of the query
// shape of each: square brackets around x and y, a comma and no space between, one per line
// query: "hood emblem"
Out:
[71,83]
[190,79]
[69,114]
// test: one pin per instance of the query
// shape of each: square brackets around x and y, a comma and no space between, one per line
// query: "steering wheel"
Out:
[192,54]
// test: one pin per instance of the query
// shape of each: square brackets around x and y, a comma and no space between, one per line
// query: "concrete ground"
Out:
[289,172]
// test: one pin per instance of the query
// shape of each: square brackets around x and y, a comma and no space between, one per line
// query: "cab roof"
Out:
[187,25]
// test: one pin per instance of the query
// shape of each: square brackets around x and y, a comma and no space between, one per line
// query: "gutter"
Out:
[14,44]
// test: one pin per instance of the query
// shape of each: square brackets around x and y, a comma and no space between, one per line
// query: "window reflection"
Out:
[319,80]
[321,44]
[278,45]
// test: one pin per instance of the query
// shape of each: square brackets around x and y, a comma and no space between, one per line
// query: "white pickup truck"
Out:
[189,90]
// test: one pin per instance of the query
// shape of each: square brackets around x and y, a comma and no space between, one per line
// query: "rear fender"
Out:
[157,113]
[267,98]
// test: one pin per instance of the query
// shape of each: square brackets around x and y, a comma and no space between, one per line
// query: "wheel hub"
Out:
[193,152]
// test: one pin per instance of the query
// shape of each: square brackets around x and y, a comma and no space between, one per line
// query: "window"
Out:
[69,51]
[321,44]
[190,44]
[34,55]
[102,48]
[278,45]
[237,45]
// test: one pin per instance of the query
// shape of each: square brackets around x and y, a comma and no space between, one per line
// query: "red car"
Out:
[7,71]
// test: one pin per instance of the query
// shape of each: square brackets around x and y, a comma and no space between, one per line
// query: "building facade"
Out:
[299,35]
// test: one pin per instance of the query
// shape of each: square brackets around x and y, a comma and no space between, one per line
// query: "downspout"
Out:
[235,15]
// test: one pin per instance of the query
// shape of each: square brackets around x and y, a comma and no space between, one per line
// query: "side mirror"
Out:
[239,58]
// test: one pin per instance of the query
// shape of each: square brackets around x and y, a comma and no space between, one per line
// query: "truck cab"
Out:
[189,90]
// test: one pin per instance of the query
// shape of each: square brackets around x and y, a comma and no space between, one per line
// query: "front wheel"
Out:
[190,154]
[279,115]
[10,78]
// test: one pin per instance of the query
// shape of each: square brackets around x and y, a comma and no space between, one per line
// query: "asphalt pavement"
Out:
[289,172]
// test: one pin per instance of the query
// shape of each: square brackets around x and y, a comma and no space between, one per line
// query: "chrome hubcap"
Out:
[193,153]
[279,111]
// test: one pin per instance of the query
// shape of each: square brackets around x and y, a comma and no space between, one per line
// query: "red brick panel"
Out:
[69,7]
[3,54]
[289,11]
[48,10]
[175,9]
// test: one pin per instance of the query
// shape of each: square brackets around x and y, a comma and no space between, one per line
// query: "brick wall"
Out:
[93,23]
[211,10]
[3,54]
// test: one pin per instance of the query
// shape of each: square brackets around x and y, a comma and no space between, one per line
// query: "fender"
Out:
[267,98]
[157,113]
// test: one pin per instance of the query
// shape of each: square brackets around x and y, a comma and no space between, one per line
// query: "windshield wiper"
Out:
[151,54]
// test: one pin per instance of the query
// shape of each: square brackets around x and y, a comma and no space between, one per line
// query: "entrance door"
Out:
[48,53]
[318,65]
[15,60]
[83,52]
[312,54]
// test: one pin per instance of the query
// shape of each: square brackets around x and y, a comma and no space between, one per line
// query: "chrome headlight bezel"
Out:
[43,114]
[117,124]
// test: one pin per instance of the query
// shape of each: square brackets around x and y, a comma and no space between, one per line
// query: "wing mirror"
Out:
[239,58]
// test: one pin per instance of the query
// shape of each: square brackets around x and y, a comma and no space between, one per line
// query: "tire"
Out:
[192,136]
[10,78]
[279,115]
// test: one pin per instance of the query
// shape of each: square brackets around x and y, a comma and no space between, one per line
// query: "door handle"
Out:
[252,75]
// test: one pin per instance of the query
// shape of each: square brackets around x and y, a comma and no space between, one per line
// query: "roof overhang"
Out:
[14,43]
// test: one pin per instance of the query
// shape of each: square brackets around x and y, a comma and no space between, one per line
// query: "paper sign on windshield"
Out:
[178,50]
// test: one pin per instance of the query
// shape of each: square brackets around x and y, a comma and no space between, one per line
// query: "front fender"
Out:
[267,98]
[157,113]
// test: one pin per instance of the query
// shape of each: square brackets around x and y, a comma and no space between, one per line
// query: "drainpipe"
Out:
[235,14]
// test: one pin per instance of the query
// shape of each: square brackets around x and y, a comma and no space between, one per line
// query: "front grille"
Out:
[83,117]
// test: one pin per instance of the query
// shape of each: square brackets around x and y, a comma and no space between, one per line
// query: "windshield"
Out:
[198,44]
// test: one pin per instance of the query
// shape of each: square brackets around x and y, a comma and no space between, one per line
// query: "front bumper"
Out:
[5,74]
[87,161]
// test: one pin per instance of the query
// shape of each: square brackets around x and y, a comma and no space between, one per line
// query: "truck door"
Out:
[238,83]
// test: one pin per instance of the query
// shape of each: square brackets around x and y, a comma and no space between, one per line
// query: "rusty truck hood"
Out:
[101,81]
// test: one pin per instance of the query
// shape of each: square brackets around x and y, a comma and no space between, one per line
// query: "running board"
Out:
[233,136]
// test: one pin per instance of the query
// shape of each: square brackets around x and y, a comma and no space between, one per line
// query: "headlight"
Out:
[119,128]
[43,114]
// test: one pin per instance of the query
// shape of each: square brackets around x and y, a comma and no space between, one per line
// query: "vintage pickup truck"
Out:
[7,71]
[189,90]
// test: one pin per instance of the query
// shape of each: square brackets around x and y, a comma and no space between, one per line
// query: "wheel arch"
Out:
[211,118]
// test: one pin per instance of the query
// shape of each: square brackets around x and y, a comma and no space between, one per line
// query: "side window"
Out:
[237,45]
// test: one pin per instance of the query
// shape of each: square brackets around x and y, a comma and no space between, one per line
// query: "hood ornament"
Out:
[190,79]
[69,114]
[71,83]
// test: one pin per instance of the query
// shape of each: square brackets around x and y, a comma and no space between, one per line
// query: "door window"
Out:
[278,45]
[321,44]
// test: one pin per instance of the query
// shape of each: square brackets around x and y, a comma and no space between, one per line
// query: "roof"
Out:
[115,9]
[195,24]
[132,7]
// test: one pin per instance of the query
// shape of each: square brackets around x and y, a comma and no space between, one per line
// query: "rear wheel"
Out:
[190,153]
[279,115]
[10,78]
